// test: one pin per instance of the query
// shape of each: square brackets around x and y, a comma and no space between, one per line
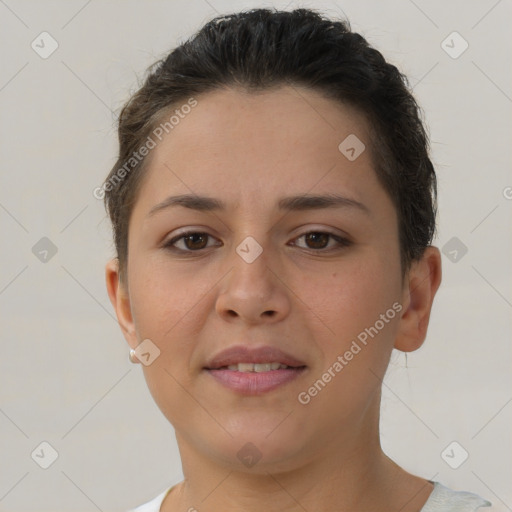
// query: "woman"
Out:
[273,206]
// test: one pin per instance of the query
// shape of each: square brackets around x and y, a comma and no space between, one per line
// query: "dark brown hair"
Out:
[261,49]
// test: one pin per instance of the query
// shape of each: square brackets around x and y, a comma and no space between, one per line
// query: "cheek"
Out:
[351,297]
[166,309]
[164,300]
[351,303]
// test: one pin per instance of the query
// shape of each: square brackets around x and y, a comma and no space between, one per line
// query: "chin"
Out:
[260,450]
[254,458]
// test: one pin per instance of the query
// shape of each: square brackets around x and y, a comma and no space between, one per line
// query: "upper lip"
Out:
[243,354]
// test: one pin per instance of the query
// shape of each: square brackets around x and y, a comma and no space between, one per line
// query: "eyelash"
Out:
[342,242]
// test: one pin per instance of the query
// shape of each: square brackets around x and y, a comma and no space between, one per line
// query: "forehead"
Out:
[283,119]
[247,146]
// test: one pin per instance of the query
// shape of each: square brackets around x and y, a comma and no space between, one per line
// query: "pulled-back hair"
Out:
[261,49]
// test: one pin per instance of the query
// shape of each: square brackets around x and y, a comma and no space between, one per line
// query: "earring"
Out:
[133,358]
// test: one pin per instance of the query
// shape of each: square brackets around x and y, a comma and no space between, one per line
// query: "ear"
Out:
[120,300]
[420,287]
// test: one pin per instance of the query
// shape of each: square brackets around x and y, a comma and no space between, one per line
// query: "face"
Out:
[325,276]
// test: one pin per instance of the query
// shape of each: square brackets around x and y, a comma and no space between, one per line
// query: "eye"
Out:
[195,241]
[319,240]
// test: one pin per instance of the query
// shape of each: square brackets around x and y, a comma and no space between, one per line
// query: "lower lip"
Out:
[255,383]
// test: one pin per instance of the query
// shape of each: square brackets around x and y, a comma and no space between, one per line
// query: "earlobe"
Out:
[420,287]
[120,300]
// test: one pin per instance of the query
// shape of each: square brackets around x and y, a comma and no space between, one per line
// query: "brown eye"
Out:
[193,241]
[196,241]
[319,240]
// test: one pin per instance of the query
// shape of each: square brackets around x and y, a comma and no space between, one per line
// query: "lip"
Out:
[244,354]
[253,383]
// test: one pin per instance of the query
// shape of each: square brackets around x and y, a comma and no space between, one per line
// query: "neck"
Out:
[348,472]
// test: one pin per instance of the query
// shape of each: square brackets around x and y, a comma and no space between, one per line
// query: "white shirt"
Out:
[441,499]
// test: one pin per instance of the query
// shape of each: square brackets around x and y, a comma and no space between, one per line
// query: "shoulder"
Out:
[443,499]
[153,505]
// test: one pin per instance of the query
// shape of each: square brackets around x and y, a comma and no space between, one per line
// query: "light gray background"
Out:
[64,369]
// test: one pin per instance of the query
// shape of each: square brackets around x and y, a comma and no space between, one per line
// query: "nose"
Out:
[254,291]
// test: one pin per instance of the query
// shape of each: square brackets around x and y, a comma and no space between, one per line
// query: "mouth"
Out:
[254,371]
[253,381]
[256,367]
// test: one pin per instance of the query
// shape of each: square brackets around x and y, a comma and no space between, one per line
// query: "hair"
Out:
[258,50]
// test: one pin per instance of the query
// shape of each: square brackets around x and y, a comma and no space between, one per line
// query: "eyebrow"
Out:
[290,203]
